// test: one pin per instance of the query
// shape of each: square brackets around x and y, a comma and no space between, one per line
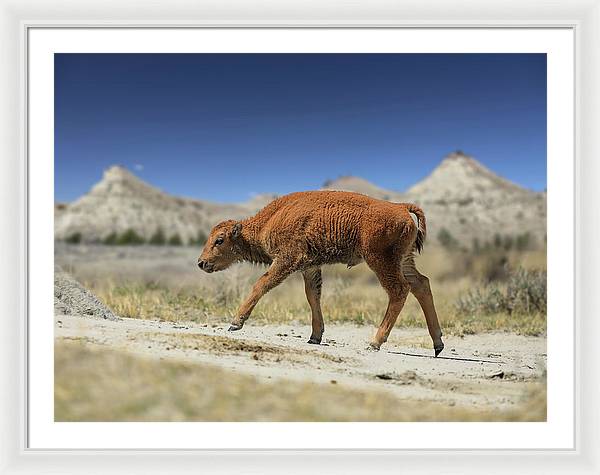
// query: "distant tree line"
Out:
[489,260]
[130,237]
[519,242]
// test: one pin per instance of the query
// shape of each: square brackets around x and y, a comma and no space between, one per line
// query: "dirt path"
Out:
[485,371]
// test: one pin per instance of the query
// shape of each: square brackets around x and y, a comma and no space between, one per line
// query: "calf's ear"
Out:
[236,230]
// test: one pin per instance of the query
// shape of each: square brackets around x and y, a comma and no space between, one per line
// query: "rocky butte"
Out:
[460,196]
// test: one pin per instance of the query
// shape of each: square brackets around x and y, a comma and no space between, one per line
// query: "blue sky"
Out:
[225,126]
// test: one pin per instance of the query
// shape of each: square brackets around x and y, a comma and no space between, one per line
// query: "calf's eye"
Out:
[218,241]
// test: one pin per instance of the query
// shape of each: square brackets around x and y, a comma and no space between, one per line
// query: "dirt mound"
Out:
[70,298]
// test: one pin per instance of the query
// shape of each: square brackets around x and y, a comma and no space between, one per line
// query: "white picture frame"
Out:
[17,18]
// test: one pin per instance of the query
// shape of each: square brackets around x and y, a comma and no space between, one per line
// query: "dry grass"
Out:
[165,284]
[98,384]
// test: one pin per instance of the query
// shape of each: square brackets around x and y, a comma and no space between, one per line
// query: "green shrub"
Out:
[74,238]
[495,268]
[110,240]
[508,243]
[129,237]
[476,246]
[497,241]
[175,240]
[199,240]
[523,293]
[446,239]
[524,242]
[158,238]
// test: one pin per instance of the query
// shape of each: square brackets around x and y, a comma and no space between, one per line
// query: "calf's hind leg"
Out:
[419,286]
[397,287]
[312,287]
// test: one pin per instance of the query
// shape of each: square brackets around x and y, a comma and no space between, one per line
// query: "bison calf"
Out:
[304,231]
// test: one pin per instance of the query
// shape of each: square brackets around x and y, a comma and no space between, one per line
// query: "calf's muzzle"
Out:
[205,266]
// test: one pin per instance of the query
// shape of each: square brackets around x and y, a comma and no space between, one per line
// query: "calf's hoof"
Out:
[438,349]
[314,341]
[373,347]
[234,327]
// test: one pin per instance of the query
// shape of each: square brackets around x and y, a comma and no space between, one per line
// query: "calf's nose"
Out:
[201,263]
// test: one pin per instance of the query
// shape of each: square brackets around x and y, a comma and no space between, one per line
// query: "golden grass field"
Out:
[349,295]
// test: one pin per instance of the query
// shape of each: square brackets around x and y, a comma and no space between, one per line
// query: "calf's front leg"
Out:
[276,274]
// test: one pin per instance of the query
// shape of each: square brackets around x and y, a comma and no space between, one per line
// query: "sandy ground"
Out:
[487,371]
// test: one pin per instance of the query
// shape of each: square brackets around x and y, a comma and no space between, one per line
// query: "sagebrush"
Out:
[524,292]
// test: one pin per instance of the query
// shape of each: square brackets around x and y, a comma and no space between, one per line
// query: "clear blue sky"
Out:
[224,126]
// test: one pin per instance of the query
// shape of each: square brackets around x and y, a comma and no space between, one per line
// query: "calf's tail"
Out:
[421,225]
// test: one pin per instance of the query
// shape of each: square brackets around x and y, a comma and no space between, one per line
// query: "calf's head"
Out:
[219,251]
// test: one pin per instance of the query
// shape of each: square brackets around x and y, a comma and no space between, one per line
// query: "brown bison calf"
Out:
[303,231]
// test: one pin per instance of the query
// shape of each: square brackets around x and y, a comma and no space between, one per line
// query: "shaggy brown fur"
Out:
[303,231]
